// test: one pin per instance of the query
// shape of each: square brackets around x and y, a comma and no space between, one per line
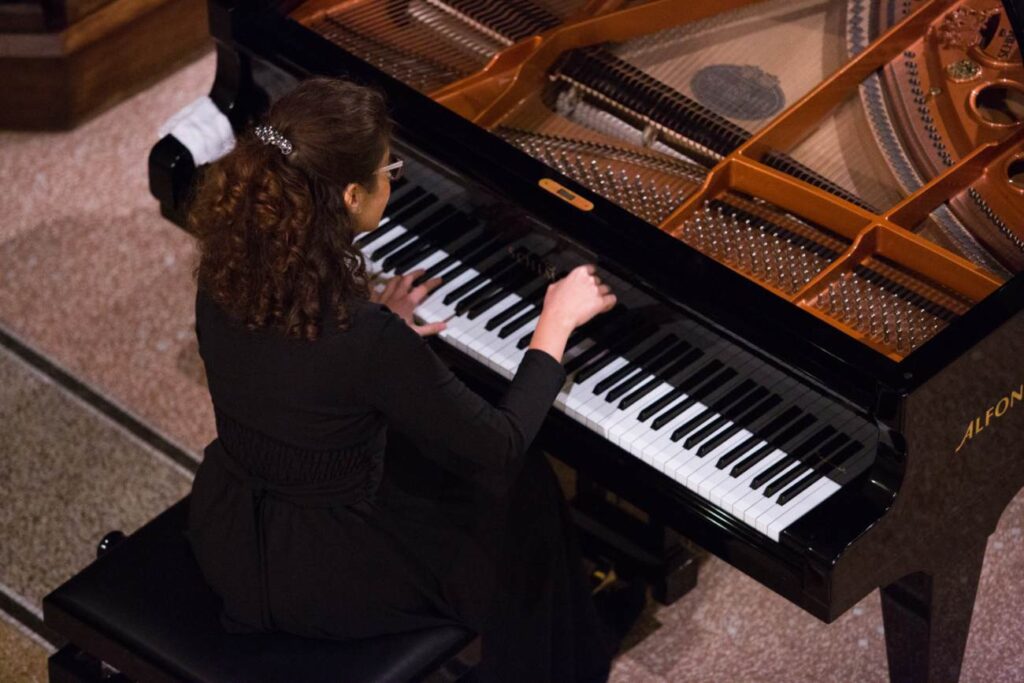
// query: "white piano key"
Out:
[427,262]
[626,418]
[369,250]
[434,306]
[815,494]
[577,396]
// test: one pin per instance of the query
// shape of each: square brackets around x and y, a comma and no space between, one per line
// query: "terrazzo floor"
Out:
[95,280]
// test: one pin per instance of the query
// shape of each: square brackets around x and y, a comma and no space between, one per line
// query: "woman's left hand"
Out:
[402,298]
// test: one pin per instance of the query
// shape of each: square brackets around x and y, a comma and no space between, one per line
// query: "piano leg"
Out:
[927,617]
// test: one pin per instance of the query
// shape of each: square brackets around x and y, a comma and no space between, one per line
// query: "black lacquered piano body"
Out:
[913,523]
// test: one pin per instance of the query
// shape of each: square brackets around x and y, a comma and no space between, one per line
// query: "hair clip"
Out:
[269,135]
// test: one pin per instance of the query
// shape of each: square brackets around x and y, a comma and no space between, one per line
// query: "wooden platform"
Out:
[62,62]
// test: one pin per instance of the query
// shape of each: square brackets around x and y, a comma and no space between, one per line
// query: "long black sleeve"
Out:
[422,398]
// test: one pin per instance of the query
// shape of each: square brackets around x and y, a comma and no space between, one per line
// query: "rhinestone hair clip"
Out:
[269,135]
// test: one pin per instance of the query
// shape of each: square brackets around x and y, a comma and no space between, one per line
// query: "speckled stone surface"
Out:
[22,660]
[93,277]
[67,477]
[91,274]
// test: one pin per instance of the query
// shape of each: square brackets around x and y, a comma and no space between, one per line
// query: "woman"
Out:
[298,519]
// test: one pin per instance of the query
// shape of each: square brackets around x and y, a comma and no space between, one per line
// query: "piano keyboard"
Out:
[705,413]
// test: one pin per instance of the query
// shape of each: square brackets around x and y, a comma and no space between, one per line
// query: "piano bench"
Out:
[143,609]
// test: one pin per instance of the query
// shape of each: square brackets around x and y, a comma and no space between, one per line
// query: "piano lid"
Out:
[862,160]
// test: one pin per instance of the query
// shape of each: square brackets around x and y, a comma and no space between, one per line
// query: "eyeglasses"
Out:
[394,169]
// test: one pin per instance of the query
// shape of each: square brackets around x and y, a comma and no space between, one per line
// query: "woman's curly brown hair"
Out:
[275,239]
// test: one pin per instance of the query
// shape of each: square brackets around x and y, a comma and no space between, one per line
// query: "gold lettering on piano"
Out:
[980,423]
[565,194]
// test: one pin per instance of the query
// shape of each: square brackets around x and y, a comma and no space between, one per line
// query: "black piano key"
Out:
[711,372]
[680,364]
[480,278]
[792,431]
[530,294]
[518,322]
[714,410]
[723,420]
[623,341]
[846,452]
[594,327]
[591,328]
[483,242]
[820,456]
[798,488]
[398,201]
[422,224]
[784,479]
[618,348]
[485,304]
[653,367]
[778,423]
[792,457]
[689,393]
[746,419]
[421,203]
[409,255]
[502,317]
[430,240]
[480,256]
[492,293]
[585,357]
[638,366]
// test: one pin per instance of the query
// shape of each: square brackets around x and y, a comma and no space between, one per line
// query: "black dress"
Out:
[310,513]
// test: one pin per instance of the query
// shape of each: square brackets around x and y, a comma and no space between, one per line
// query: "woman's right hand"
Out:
[577,297]
[569,303]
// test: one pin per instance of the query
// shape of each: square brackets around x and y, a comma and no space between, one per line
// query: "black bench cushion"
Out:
[145,609]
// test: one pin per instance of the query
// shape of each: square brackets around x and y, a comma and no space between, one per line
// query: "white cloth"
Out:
[203,129]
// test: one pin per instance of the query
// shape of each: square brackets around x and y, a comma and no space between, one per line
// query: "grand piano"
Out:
[812,212]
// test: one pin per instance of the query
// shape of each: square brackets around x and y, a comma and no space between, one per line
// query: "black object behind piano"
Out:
[938,430]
